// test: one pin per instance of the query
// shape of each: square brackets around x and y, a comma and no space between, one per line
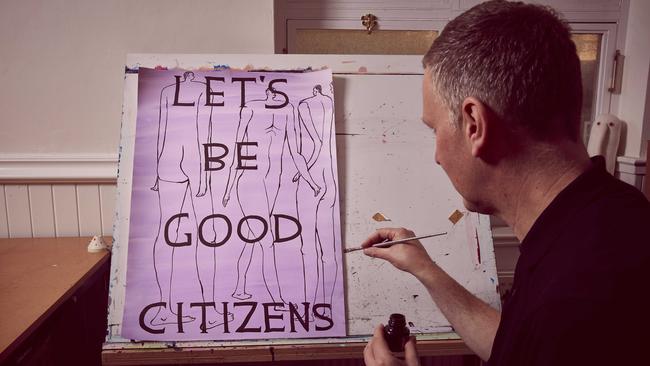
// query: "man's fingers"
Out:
[386,233]
[380,347]
[374,238]
[410,353]
[376,252]
[368,357]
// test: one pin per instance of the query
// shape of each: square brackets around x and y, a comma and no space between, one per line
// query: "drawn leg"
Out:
[260,231]
[245,257]
[205,257]
[243,264]
[327,239]
[173,196]
[309,246]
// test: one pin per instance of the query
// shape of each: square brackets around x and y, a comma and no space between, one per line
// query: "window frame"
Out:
[603,97]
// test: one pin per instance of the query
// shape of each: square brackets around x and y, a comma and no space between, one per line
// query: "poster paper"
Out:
[234,229]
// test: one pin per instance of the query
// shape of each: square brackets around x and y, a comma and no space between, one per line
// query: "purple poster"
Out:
[234,228]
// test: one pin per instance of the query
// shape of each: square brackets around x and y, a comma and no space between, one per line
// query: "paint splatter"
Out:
[455,216]
[379,217]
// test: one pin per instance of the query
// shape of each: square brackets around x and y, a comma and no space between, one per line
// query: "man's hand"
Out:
[378,353]
[410,256]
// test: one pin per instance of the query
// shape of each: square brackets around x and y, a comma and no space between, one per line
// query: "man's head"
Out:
[317,89]
[516,58]
[499,79]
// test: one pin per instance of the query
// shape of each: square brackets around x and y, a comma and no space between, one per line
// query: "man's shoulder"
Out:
[611,203]
[601,247]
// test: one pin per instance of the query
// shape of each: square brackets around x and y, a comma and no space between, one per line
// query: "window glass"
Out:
[588,46]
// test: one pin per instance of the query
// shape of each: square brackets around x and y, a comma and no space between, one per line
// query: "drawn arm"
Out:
[245,114]
[306,119]
[162,130]
[202,136]
[298,158]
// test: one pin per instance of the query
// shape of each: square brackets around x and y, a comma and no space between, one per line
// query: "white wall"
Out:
[62,61]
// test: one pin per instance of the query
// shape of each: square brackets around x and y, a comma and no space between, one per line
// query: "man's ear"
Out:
[475,127]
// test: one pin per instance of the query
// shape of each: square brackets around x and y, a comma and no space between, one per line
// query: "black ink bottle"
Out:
[396,332]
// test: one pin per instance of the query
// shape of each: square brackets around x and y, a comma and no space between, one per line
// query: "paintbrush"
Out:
[387,244]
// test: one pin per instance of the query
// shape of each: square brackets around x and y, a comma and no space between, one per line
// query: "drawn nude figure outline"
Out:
[316,114]
[179,162]
[274,128]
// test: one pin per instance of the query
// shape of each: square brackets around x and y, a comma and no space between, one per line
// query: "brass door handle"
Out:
[369,21]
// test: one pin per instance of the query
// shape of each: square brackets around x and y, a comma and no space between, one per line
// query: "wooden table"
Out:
[37,276]
[152,354]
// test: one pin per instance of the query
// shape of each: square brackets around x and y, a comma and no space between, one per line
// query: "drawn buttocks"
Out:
[241,235]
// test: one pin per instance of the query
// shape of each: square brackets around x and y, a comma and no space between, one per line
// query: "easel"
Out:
[377,124]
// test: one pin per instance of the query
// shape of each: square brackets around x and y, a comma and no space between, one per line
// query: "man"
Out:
[502,92]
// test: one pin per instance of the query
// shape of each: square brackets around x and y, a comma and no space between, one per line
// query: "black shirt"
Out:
[581,292]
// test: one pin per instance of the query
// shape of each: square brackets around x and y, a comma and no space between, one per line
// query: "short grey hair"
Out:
[516,58]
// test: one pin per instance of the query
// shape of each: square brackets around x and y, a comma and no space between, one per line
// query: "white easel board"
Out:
[385,165]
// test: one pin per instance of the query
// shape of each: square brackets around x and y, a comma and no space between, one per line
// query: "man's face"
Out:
[452,152]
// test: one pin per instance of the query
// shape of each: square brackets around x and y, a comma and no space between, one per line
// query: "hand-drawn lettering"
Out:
[268,316]
[325,315]
[226,320]
[243,82]
[241,157]
[187,236]
[203,306]
[209,158]
[143,314]
[294,314]
[179,317]
[178,90]
[242,328]
[244,221]
[277,92]
[276,218]
[209,93]
[223,241]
